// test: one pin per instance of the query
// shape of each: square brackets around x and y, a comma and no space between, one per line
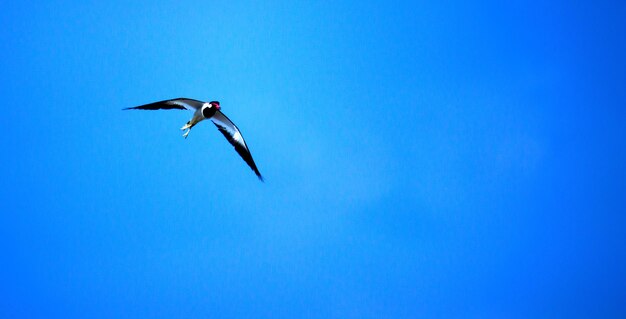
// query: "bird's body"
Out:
[202,111]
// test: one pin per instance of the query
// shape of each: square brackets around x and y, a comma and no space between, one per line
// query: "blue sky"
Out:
[422,160]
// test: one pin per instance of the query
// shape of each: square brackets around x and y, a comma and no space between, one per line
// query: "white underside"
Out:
[197,118]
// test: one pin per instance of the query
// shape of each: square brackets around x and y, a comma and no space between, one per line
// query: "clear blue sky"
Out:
[431,159]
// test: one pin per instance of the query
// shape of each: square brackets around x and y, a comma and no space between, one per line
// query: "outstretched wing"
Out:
[179,104]
[233,135]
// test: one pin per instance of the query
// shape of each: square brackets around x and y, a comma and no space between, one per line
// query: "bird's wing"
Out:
[233,135]
[179,103]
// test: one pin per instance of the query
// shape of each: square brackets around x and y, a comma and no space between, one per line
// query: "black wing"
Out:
[233,135]
[178,104]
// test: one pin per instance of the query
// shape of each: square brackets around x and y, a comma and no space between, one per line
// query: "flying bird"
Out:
[202,111]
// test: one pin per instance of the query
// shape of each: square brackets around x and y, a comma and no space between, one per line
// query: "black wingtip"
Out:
[127,108]
[261,178]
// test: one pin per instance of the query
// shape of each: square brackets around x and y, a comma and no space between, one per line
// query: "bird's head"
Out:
[209,109]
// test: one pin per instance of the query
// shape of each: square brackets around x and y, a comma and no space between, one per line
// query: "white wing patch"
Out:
[181,103]
[237,137]
[234,137]
[189,104]
[221,120]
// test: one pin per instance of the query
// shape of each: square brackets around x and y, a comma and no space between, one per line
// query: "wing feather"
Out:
[173,104]
[234,137]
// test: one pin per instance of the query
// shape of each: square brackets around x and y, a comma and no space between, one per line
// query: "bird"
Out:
[202,111]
